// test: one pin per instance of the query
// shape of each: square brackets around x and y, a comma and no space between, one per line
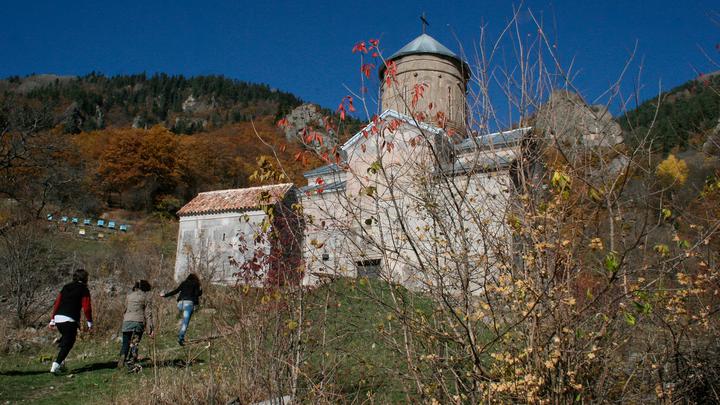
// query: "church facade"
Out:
[376,213]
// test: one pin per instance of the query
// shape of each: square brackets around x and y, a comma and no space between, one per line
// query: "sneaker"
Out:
[181,342]
[55,368]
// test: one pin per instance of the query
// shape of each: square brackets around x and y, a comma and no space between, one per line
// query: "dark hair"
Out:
[193,278]
[80,276]
[142,285]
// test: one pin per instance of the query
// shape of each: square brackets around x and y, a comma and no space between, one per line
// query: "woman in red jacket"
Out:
[65,317]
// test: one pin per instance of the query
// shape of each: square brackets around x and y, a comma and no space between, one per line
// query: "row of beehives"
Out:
[100,223]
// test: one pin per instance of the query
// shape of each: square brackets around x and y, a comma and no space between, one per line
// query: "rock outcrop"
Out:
[711,147]
[573,123]
[304,116]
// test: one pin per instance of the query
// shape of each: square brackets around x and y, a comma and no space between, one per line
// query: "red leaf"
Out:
[363,148]
[298,156]
[359,47]
[341,110]
[283,123]
[366,69]
[374,42]
[283,147]
[417,93]
[319,180]
[390,72]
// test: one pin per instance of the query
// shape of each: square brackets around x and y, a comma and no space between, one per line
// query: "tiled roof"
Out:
[240,199]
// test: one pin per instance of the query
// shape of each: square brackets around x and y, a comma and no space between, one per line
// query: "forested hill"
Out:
[182,104]
[685,114]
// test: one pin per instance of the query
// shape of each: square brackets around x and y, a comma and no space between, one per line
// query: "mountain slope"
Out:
[685,111]
[184,105]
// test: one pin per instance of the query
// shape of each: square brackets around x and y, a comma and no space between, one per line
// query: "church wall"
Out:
[325,243]
[207,242]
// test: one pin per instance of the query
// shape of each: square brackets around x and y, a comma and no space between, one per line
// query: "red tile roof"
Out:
[240,199]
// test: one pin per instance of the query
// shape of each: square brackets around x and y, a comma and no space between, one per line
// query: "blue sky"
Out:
[305,47]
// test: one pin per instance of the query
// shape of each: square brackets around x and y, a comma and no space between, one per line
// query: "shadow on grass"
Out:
[176,363]
[106,365]
[15,373]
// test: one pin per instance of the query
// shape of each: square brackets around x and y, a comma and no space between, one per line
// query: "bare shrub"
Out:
[30,264]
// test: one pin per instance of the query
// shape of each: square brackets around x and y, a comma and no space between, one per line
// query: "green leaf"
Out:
[612,263]
[560,180]
[595,194]
[630,319]
[662,249]
[666,213]
[374,167]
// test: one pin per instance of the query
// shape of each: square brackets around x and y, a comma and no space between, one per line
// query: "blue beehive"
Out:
[64,219]
[123,227]
[101,223]
[86,221]
[111,224]
[49,217]
[74,220]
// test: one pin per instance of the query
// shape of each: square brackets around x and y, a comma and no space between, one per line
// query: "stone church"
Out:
[371,213]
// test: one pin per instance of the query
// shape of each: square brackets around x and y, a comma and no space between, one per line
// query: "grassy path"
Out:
[92,376]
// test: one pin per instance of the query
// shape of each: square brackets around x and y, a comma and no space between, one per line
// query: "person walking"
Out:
[188,299]
[138,317]
[73,297]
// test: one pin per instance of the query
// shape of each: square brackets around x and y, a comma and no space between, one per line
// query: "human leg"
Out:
[187,310]
[124,348]
[68,335]
[135,345]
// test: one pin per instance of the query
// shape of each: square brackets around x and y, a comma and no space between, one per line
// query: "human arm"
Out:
[173,292]
[56,306]
[87,309]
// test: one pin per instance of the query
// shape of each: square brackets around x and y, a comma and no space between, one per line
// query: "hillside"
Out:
[183,104]
[146,143]
[684,112]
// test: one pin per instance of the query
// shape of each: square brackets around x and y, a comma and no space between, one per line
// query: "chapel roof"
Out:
[241,199]
[424,45]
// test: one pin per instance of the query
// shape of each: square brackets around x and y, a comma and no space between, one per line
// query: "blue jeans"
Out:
[186,307]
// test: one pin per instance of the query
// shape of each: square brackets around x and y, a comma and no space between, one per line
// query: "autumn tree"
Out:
[140,165]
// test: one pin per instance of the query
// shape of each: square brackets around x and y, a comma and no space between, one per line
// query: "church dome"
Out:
[443,75]
[425,45]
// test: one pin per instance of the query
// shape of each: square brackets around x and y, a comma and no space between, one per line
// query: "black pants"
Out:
[127,338]
[68,332]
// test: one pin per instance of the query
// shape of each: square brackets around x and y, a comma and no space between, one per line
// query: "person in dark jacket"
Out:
[188,299]
[65,316]
[138,317]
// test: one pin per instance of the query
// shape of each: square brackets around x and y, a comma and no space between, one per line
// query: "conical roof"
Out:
[425,44]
